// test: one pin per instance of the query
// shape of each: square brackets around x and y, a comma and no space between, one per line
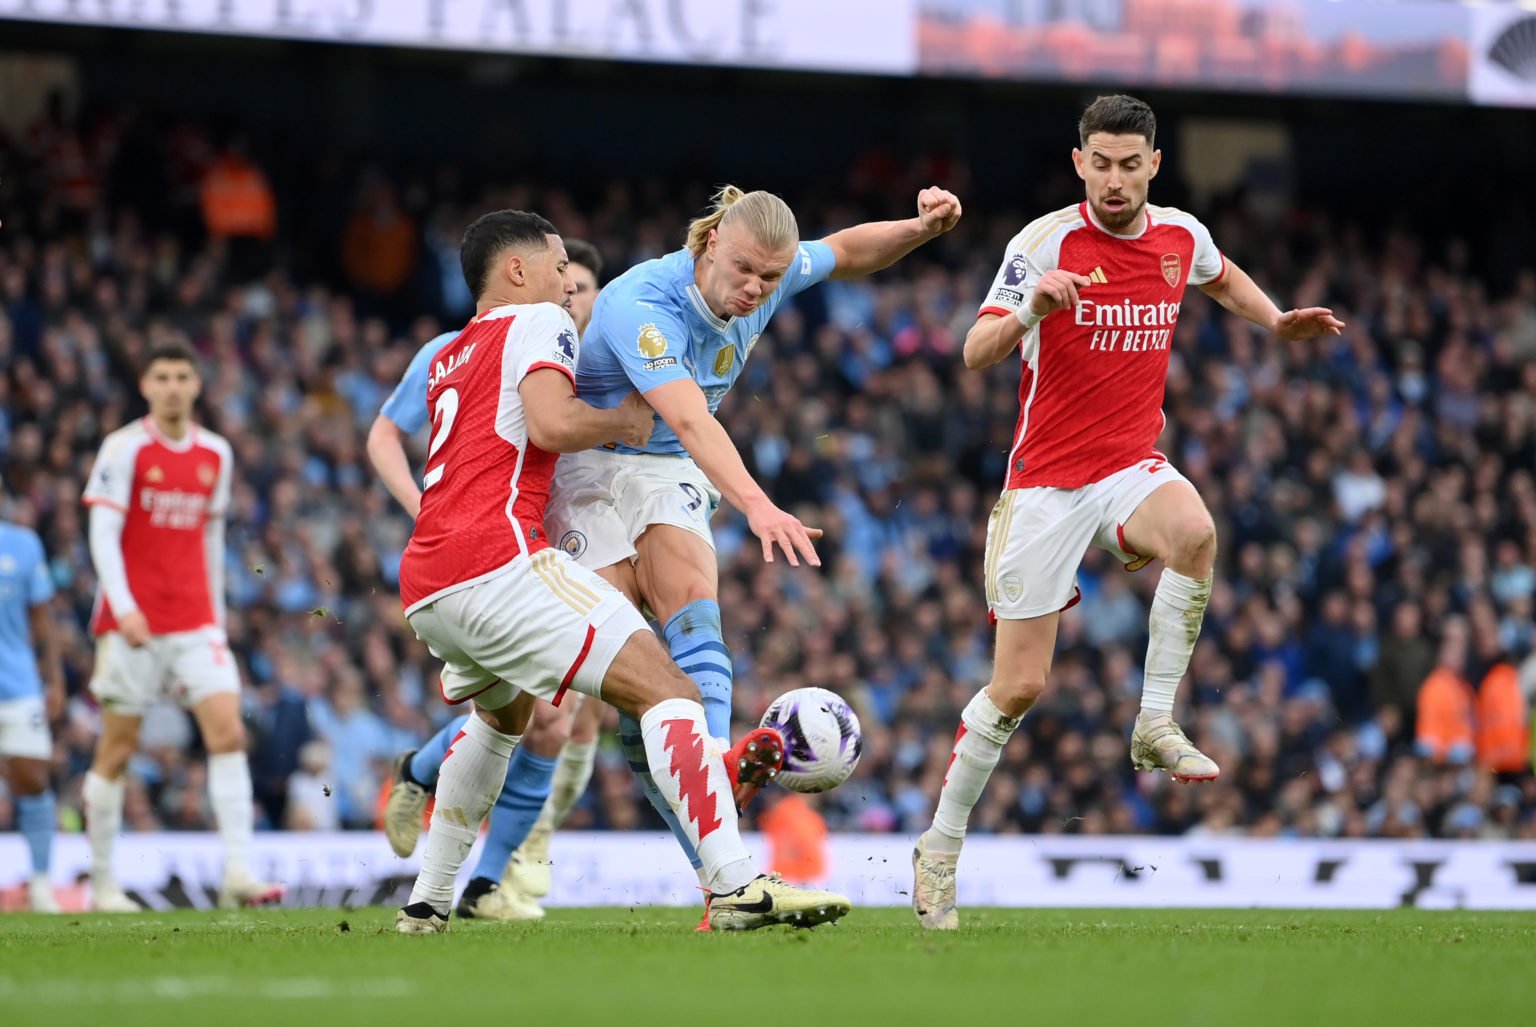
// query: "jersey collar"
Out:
[175,445]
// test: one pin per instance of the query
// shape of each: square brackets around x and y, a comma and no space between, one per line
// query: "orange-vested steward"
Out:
[1503,722]
[237,201]
[797,840]
[1445,715]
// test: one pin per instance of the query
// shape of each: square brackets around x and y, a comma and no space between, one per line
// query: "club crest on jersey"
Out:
[154,473]
[651,342]
[1172,269]
[206,474]
[724,360]
[574,543]
[1018,268]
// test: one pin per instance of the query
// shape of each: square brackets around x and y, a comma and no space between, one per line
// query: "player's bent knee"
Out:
[1194,541]
[549,732]
[29,777]
[643,675]
[224,738]
[1015,694]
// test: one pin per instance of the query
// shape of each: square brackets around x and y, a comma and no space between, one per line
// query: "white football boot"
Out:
[933,888]
[768,900]
[241,889]
[404,808]
[529,872]
[40,897]
[1158,743]
[420,918]
[107,897]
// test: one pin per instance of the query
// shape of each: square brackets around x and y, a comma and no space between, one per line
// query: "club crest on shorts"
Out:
[574,543]
[651,342]
[724,360]
[1172,269]
[1012,586]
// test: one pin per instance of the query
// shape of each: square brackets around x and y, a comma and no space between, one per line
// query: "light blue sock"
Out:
[697,646]
[428,760]
[35,817]
[529,779]
[634,751]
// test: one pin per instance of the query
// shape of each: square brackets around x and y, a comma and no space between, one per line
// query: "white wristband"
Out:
[1027,317]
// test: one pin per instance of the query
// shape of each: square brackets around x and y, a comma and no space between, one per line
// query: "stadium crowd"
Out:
[1374,494]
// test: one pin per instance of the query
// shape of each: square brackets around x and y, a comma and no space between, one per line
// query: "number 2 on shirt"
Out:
[447,409]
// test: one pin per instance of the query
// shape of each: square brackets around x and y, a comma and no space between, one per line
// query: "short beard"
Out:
[1122,220]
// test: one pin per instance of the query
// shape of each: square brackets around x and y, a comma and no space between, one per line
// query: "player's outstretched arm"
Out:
[386,451]
[1238,293]
[683,406]
[876,245]
[559,422]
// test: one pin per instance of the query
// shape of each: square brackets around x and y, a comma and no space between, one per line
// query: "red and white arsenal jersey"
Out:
[1092,391]
[485,486]
[167,491]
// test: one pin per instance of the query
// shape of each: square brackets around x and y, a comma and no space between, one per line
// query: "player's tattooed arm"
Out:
[876,245]
[1241,295]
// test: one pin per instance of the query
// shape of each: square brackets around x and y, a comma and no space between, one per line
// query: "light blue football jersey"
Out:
[24,583]
[651,326]
[407,405]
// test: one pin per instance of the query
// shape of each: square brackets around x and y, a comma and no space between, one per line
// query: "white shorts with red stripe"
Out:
[1036,538]
[183,666]
[545,625]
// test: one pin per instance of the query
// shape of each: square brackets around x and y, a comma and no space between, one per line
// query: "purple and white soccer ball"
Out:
[822,738]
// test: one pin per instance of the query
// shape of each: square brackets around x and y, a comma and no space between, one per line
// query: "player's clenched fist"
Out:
[1056,290]
[639,419]
[938,209]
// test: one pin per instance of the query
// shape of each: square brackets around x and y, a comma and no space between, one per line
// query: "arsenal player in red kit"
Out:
[513,617]
[1092,292]
[158,494]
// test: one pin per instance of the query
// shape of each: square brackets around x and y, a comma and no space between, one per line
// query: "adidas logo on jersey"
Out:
[1098,277]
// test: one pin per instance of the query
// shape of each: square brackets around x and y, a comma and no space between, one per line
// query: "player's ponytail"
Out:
[765,215]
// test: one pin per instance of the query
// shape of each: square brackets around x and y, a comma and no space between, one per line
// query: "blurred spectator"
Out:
[1375,495]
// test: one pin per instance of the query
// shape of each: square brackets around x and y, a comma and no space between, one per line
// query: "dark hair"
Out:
[1117,115]
[491,234]
[174,349]
[584,253]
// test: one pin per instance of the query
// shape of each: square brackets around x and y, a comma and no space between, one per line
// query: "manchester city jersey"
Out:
[651,326]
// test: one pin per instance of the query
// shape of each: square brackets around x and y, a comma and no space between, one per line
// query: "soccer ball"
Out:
[822,738]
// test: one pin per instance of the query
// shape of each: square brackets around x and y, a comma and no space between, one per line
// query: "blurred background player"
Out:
[31,697]
[551,768]
[680,329]
[158,494]
[483,587]
[1093,291]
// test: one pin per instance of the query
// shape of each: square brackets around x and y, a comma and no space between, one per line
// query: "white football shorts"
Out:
[1036,538]
[601,502]
[546,623]
[184,666]
[24,729]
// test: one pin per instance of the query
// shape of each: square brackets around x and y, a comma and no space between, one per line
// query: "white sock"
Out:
[1178,608]
[472,775]
[103,821]
[572,775]
[689,770]
[984,730]
[229,792]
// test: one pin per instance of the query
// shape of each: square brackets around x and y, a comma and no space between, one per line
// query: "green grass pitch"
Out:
[287,968]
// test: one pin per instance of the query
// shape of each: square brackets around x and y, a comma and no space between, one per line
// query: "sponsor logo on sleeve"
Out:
[659,363]
[1008,297]
[652,342]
